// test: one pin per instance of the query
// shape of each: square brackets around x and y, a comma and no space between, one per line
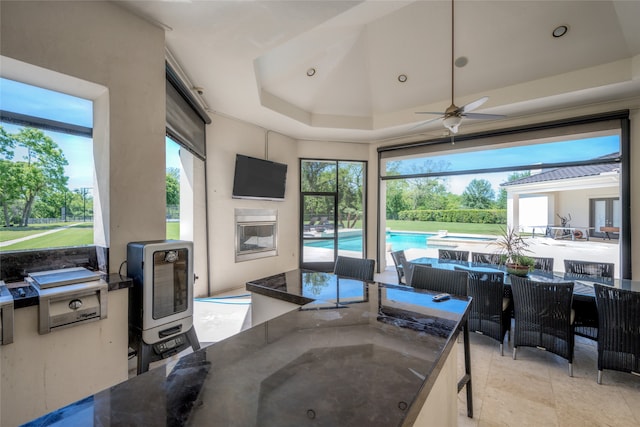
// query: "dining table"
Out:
[584,303]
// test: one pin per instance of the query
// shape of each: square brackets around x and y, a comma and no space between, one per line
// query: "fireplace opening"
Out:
[256,233]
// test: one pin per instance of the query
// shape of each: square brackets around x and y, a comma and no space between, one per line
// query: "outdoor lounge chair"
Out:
[619,330]
[312,221]
[543,317]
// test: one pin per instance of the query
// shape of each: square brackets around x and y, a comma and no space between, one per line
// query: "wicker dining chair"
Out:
[589,269]
[485,258]
[399,259]
[586,322]
[454,282]
[619,329]
[544,264]
[490,312]
[453,254]
[355,268]
[543,317]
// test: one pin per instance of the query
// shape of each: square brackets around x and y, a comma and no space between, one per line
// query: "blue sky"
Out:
[26,99]
[38,102]
[554,152]
[35,101]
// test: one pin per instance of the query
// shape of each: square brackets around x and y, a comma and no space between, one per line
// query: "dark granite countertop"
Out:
[359,354]
[25,295]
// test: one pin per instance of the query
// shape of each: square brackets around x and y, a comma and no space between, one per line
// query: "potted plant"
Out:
[512,248]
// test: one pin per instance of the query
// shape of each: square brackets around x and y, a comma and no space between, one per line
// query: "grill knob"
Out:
[75,304]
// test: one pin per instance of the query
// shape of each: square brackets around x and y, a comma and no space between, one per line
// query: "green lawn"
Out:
[173,230]
[82,234]
[78,235]
[10,233]
[451,227]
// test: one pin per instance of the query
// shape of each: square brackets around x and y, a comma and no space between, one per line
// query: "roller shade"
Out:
[185,119]
[541,132]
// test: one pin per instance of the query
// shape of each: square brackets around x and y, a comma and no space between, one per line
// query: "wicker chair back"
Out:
[454,282]
[453,255]
[355,268]
[400,260]
[485,258]
[542,312]
[619,329]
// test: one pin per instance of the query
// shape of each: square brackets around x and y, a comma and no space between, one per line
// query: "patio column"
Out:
[513,211]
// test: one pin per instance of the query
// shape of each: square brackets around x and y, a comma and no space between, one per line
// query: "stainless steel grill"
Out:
[69,297]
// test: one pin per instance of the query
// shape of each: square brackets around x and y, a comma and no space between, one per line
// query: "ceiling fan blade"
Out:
[473,105]
[426,122]
[481,116]
[440,113]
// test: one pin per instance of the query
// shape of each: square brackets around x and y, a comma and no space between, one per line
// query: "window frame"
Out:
[618,120]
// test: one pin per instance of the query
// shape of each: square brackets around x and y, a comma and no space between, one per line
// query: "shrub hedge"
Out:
[474,216]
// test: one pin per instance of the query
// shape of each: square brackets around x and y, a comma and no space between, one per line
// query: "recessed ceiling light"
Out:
[311,72]
[560,31]
[461,61]
[402,78]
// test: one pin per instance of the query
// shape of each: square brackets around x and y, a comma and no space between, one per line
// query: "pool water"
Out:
[399,241]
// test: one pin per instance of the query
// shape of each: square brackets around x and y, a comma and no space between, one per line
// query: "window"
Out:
[560,180]
[173,189]
[46,168]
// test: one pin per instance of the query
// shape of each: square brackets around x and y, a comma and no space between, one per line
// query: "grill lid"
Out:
[63,276]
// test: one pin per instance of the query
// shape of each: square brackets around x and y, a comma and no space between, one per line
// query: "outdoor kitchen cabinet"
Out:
[43,372]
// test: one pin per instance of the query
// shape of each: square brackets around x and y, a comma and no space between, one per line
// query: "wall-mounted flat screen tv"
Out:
[259,179]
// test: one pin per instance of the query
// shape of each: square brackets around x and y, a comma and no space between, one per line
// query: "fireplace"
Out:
[256,233]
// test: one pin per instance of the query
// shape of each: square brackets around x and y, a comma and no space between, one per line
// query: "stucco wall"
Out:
[99,51]
[101,43]
[576,203]
[226,138]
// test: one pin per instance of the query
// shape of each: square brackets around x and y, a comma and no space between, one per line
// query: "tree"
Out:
[8,184]
[501,203]
[41,170]
[9,189]
[173,186]
[478,195]
[397,200]
[350,184]
[318,176]
[427,192]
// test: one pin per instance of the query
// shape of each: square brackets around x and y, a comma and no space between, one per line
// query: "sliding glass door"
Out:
[331,212]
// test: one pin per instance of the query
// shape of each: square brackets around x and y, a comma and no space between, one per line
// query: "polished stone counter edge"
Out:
[427,386]
[30,298]
[274,293]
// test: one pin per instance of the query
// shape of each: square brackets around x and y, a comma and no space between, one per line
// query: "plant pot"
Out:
[517,269]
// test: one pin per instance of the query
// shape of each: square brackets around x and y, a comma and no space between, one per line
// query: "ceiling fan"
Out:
[452,116]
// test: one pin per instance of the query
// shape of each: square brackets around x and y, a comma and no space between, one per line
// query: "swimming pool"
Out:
[399,241]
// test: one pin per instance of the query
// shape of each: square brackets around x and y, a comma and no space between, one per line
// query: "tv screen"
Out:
[259,179]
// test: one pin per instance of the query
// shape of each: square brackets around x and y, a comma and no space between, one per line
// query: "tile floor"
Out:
[534,390]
